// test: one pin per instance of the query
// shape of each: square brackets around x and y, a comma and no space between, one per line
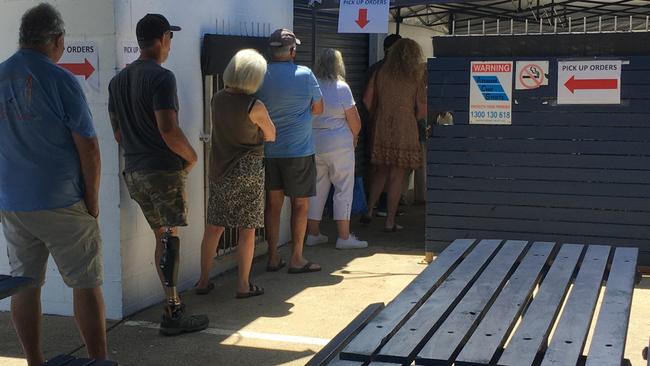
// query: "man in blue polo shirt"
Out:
[49,183]
[292,96]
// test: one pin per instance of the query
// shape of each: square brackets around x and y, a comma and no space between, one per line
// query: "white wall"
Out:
[421,35]
[82,23]
[235,17]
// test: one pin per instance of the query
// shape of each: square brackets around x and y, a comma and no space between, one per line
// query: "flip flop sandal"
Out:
[393,229]
[253,291]
[307,268]
[365,219]
[204,290]
[279,266]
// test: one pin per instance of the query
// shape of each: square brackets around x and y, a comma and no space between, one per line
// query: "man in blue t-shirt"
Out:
[292,96]
[49,183]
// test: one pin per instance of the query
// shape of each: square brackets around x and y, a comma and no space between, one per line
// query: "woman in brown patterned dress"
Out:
[396,99]
[240,125]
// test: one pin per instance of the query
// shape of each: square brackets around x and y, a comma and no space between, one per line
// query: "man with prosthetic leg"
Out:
[143,108]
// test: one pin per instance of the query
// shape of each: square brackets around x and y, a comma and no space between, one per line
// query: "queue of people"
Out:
[278,130]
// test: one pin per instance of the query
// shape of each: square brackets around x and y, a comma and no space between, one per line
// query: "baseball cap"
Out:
[283,37]
[153,26]
[390,40]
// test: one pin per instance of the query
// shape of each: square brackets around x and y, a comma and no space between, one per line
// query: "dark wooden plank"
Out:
[386,323]
[538,199]
[81,362]
[59,360]
[571,332]
[608,342]
[410,338]
[542,213]
[543,104]
[597,148]
[459,325]
[541,160]
[491,334]
[544,133]
[333,348]
[546,227]
[105,363]
[10,286]
[532,334]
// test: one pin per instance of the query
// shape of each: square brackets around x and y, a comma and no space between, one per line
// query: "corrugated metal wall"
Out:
[560,173]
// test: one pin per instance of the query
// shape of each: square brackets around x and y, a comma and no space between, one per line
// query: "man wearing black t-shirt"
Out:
[143,107]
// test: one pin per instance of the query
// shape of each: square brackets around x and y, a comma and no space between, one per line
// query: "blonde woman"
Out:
[396,99]
[240,125]
[335,135]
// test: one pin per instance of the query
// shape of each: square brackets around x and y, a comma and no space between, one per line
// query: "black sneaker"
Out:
[175,321]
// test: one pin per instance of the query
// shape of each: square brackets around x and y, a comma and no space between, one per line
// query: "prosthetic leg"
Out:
[169,267]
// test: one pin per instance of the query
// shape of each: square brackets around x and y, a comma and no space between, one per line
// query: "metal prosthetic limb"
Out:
[169,265]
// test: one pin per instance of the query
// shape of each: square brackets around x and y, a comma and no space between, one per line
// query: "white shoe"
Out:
[315,240]
[351,243]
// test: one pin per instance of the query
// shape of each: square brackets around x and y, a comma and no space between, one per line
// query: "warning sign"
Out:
[129,53]
[80,58]
[531,74]
[363,16]
[490,95]
[589,82]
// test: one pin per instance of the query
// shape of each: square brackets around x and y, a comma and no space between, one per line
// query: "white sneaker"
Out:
[315,240]
[351,243]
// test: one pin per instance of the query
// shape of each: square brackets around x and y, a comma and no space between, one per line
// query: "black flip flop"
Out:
[205,290]
[279,266]
[393,229]
[253,291]
[304,269]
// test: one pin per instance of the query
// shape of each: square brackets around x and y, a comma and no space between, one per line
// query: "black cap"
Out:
[153,26]
[390,40]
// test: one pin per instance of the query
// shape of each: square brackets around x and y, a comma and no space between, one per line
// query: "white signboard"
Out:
[490,95]
[589,82]
[130,52]
[363,16]
[531,74]
[80,58]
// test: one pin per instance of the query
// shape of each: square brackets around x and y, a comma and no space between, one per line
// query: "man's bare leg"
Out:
[90,315]
[28,321]
[274,203]
[299,209]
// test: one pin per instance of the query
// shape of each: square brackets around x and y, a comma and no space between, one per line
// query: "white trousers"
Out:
[334,168]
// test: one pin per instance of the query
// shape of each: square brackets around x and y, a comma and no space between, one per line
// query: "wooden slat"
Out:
[339,362]
[406,343]
[531,335]
[81,362]
[397,311]
[457,328]
[11,285]
[608,342]
[571,331]
[333,348]
[60,360]
[491,334]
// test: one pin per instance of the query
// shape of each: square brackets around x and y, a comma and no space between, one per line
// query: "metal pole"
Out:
[398,20]
[313,35]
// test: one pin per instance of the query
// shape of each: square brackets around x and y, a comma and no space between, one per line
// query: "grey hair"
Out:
[280,52]
[41,25]
[329,65]
[245,71]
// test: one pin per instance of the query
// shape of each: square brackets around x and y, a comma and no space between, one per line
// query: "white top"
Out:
[331,131]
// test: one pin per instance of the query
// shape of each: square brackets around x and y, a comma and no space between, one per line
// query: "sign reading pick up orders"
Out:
[589,82]
[490,95]
[363,16]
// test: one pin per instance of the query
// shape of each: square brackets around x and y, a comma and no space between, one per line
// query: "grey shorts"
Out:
[70,234]
[295,176]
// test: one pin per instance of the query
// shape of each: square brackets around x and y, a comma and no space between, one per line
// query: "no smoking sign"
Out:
[531,74]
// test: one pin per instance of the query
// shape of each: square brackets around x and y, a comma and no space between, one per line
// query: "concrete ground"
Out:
[297,316]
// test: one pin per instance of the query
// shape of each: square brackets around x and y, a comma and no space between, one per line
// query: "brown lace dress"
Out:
[394,140]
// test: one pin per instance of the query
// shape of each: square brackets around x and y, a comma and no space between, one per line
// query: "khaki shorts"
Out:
[161,196]
[70,234]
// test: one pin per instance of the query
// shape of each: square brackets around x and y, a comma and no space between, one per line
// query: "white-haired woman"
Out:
[335,136]
[240,125]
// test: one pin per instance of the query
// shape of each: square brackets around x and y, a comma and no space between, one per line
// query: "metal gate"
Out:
[559,172]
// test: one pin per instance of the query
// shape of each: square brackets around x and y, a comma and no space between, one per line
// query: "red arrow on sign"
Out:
[574,84]
[85,69]
[362,20]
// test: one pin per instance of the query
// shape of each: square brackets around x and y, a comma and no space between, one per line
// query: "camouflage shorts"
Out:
[161,196]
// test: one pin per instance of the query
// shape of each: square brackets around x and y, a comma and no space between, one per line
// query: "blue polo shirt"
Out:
[288,92]
[41,105]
